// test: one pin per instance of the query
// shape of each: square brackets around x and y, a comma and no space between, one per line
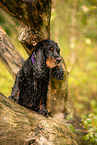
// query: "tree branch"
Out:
[8,55]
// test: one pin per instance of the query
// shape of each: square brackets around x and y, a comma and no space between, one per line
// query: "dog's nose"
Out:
[58,60]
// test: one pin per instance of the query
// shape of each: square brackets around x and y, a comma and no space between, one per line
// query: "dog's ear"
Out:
[39,52]
[44,50]
[38,45]
[58,73]
[42,46]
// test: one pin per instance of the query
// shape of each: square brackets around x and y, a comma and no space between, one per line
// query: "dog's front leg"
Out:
[43,101]
[16,88]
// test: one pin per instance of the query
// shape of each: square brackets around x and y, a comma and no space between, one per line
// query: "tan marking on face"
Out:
[51,62]
[57,49]
[52,48]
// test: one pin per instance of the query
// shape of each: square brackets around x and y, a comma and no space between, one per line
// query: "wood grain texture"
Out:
[8,55]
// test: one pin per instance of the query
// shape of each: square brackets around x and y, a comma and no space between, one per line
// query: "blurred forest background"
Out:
[74,27]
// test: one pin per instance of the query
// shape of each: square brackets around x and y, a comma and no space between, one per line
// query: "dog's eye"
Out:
[58,49]
[51,48]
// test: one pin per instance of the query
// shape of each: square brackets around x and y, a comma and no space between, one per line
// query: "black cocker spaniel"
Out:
[31,84]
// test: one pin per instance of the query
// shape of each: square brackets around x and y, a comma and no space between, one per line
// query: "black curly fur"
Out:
[31,84]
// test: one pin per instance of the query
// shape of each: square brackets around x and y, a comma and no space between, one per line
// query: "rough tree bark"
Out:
[8,55]
[34,16]
[20,125]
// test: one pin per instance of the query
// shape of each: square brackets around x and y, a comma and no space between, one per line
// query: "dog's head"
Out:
[51,52]
[47,53]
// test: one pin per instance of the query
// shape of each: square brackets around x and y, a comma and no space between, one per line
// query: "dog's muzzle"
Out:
[53,62]
[58,60]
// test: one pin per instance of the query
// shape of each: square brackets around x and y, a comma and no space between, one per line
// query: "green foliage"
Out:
[91,125]
[71,128]
[83,81]
[69,117]
[80,26]
[6,80]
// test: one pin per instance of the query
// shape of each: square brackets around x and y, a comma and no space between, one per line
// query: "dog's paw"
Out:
[43,111]
[14,98]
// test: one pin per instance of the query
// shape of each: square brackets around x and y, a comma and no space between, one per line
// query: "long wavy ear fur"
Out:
[41,46]
[40,57]
[58,73]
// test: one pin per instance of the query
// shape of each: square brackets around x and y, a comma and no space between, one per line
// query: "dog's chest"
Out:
[41,73]
[36,71]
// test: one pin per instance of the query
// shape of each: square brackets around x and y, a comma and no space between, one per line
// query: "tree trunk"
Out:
[34,16]
[22,126]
